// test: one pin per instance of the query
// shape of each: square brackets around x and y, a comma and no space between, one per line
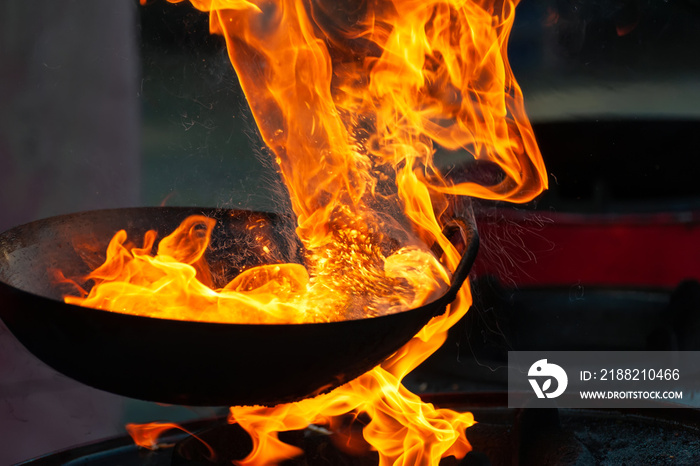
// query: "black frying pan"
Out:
[182,362]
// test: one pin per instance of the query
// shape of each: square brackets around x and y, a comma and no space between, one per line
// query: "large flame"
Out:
[353,99]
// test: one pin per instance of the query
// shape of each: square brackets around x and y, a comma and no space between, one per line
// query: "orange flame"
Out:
[146,435]
[352,99]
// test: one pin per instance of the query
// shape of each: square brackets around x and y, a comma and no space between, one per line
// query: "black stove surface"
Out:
[502,436]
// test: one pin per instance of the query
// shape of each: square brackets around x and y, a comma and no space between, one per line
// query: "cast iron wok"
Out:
[183,362]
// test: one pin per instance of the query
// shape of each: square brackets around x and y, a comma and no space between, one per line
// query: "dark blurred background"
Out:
[111,104]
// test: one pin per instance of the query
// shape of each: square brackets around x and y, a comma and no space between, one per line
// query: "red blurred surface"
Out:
[553,249]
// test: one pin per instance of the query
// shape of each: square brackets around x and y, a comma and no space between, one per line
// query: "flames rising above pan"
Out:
[353,99]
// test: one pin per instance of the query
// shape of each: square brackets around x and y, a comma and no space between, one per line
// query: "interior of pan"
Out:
[75,244]
[179,361]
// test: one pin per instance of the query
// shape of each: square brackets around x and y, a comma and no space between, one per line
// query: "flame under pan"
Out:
[183,362]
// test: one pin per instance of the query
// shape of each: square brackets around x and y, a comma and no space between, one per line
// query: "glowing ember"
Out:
[351,100]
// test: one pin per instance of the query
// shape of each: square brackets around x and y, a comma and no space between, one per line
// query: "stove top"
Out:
[502,436]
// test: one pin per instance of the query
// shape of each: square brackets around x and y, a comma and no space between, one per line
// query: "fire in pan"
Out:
[187,362]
